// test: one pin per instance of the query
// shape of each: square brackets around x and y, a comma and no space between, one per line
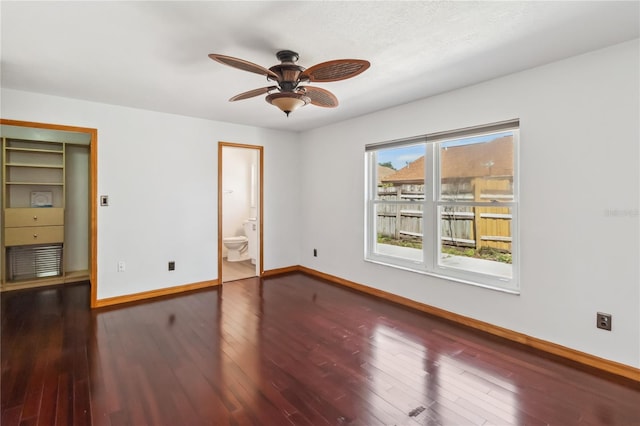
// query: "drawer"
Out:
[33,235]
[33,217]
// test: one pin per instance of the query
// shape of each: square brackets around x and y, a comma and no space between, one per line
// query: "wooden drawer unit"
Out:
[33,235]
[33,217]
[27,226]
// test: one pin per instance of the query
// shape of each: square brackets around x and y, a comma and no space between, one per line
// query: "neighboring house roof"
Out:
[411,173]
[494,158]
[383,172]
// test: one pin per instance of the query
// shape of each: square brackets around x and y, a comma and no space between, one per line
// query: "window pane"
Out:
[399,230]
[477,168]
[476,239]
[400,173]
[457,226]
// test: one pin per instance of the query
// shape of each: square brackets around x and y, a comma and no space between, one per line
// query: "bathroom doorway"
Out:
[240,192]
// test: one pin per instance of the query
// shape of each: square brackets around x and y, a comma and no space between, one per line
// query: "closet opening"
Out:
[47,217]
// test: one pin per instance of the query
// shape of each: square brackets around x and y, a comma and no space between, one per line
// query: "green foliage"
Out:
[387,164]
[487,253]
[411,243]
[494,254]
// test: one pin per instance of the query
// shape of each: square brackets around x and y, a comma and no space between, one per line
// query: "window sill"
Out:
[407,267]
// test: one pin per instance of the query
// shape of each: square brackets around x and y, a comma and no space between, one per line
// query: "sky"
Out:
[400,157]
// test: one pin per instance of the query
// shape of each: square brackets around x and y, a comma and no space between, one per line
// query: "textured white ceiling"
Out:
[153,55]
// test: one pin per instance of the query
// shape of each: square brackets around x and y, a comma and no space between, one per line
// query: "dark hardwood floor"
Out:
[283,350]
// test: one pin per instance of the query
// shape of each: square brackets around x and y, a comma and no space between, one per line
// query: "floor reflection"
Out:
[426,383]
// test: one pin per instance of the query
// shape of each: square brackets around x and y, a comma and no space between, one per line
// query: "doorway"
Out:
[240,213]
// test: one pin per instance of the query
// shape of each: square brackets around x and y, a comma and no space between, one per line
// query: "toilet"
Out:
[243,247]
[236,248]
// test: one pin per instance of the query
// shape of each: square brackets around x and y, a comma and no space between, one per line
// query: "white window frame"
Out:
[431,247]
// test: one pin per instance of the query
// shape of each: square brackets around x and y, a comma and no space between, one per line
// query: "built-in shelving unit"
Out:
[31,170]
[33,203]
[46,217]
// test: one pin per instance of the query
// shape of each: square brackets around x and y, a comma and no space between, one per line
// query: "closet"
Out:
[46,218]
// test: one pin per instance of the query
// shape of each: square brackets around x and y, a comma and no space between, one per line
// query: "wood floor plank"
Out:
[11,416]
[285,350]
[48,404]
[64,400]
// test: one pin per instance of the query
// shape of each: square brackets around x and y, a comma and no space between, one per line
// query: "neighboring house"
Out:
[383,172]
[480,172]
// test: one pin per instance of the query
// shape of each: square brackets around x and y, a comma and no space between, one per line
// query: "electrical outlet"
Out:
[172,265]
[121,266]
[603,321]
[315,252]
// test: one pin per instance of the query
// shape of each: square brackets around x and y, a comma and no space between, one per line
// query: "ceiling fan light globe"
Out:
[287,102]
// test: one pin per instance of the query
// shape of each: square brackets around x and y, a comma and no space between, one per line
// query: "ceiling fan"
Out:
[288,94]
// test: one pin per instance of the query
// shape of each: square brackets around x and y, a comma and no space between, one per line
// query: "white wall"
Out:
[160,172]
[579,222]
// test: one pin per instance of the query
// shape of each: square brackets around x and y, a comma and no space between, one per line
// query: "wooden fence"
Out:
[474,227]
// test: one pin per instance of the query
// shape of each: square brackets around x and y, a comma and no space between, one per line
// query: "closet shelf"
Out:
[43,166]
[47,151]
[37,183]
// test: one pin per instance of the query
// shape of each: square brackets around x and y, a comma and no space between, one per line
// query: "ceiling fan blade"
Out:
[243,65]
[252,93]
[338,69]
[320,97]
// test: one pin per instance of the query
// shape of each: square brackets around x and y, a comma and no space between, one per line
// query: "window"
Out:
[446,204]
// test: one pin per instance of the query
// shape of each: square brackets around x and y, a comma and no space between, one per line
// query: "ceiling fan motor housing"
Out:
[287,56]
[288,71]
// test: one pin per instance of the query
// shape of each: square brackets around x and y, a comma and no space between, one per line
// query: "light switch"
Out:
[104,200]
